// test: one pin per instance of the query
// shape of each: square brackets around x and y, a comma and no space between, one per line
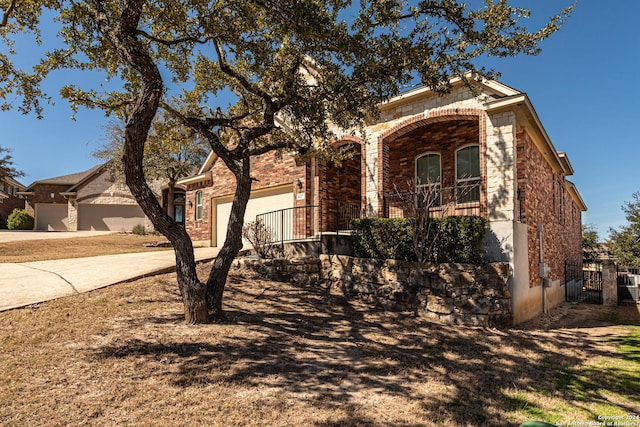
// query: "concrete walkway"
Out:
[28,283]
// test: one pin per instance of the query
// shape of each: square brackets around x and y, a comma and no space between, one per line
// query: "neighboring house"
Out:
[489,152]
[89,200]
[9,199]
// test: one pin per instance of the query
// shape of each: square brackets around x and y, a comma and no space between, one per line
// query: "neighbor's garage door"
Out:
[52,217]
[260,202]
[109,217]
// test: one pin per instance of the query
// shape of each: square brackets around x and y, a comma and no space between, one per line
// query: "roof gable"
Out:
[490,88]
[72,180]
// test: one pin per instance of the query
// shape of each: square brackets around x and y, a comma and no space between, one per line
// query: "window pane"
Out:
[199,205]
[468,163]
[428,168]
[179,213]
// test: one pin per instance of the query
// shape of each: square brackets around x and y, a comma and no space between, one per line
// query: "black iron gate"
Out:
[583,285]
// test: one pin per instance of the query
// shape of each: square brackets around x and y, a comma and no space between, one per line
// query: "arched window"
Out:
[468,174]
[428,178]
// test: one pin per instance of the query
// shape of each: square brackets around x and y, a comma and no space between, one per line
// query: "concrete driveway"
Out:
[15,236]
[26,283]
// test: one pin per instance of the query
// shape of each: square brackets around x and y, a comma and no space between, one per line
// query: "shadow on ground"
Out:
[336,353]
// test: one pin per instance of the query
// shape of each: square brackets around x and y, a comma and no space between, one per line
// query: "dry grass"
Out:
[110,244]
[298,356]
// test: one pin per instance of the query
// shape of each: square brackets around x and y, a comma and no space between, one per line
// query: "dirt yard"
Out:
[305,356]
[109,244]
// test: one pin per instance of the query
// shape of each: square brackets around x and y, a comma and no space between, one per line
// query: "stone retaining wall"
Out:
[454,293]
[297,270]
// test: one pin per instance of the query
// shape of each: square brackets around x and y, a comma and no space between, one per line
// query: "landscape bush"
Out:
[261,238]
[139,230]
[20,219]
[455,238]
[385,238]
[3,223]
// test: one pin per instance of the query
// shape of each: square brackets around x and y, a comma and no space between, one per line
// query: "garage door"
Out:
[109,217]
[52,217]
[260,202]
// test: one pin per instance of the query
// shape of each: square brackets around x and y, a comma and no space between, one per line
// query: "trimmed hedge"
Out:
[383,238]
[458,239]
[20,219]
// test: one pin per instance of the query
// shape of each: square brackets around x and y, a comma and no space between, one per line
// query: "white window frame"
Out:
[199,205]
[438,184]
[465,181]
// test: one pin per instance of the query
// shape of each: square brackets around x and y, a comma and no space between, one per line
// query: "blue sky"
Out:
[583,85]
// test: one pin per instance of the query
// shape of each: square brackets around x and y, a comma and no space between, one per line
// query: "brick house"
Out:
[491,145]
[9,198]
[88,200]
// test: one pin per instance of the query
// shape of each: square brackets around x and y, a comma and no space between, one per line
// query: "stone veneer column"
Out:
[609,283]
[72,215]
[371,175]
[501,160]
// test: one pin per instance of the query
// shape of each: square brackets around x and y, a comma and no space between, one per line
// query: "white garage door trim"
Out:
[261,201]
[109,217]
[52,217]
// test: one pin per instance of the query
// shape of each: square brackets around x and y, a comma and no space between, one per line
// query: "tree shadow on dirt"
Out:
[310,342]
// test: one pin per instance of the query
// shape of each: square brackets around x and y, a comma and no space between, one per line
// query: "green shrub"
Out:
[3,222]
[20,219]
[456,239]
[139,230]
[461,239]
[383,238]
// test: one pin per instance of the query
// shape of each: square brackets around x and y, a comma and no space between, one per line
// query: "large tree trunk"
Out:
[124,38]
[232,244]
[192,290]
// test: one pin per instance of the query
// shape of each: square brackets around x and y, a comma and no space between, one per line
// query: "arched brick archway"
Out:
[443,132]
[341,189]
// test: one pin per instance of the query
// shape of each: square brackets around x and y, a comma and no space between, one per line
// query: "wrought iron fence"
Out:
[582,284]
[463,199]
[310,221]
[629,285]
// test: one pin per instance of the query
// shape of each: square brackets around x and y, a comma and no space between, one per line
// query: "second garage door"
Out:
[260,202]
[109,217]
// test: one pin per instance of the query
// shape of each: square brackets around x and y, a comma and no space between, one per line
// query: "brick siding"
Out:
[269,170]
[42,194]
[538,193]
[443,135]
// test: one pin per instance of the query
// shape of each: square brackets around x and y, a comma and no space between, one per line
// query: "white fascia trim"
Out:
[474,78]
[522,102]
[575,195]
[209,161]
[195,179]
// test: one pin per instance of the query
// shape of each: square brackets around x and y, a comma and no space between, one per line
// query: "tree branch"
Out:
[174,41]
[7,13]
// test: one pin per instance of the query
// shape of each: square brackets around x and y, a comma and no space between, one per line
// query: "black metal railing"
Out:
[310,221]
[463,199]
[336,215]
